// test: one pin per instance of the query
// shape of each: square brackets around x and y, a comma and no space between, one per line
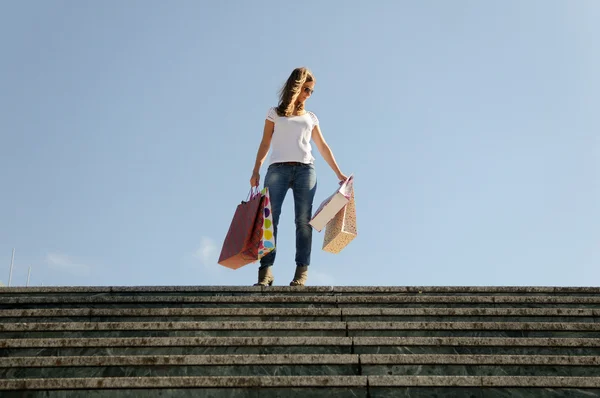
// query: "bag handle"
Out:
[254,192]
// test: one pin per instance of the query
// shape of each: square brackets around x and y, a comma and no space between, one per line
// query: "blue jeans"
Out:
[302,179]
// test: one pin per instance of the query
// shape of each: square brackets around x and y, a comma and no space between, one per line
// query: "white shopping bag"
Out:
[332,205]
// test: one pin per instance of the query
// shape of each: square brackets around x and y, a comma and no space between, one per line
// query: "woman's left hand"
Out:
[342,177]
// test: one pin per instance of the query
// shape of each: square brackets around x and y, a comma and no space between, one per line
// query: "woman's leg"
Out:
[304,187]
[277,181]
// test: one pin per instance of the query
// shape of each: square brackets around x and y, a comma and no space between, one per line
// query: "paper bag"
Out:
[240,246]
[267,241]
[341,230]
[332,205]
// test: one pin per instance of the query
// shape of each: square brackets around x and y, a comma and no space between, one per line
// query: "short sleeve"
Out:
[272,114]
[314,118]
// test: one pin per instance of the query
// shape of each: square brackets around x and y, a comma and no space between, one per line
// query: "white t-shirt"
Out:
[291,138]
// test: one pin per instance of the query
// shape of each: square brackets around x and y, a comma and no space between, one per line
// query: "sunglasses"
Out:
[308,90]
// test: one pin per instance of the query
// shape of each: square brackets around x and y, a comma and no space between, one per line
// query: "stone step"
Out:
[456,370]
[302,314]
[483,386]
[261,301]
[186,386]
[205,360]
[340,329]
[314,386]
[475,329]
[471,314]
[179,365]
[476,345]
[73,291]
[299,290]
[175,346]
[177,341]
[479,365]
[297,365]
[173,314]
[170,329]
[457,290]
[116,301]
[468,301]
[300,359]
[419,359]
[297,345]
[484,326]
[472,341]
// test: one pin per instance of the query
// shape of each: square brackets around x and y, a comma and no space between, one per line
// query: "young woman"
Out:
[288,131]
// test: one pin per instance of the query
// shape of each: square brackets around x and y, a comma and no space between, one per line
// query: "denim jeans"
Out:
[302,179]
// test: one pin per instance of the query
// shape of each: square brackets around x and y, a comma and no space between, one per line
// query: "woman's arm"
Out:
[261,154]
[326,152]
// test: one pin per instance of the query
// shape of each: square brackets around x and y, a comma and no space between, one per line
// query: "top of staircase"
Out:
[308,289]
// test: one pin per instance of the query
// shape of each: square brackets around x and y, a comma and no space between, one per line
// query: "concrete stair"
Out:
[235,341]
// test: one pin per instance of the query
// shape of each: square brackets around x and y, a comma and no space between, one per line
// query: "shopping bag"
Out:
[341,229]
[240,246]
[267,231]
[332,205]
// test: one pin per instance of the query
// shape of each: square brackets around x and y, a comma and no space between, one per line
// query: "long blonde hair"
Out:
[290,91]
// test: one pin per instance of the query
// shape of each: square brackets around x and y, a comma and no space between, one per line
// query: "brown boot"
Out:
[265,277]
[301,276]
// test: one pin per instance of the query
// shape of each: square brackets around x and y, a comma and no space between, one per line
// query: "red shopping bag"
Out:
[243,238]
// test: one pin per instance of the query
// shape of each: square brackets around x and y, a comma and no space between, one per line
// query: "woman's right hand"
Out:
[255,179]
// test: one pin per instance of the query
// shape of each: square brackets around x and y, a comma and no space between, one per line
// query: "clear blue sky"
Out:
[129,130]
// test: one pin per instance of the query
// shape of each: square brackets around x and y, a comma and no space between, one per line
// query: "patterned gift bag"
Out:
[341,230]
[267,242]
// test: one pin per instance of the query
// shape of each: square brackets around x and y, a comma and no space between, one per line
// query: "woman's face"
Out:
[306,92]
